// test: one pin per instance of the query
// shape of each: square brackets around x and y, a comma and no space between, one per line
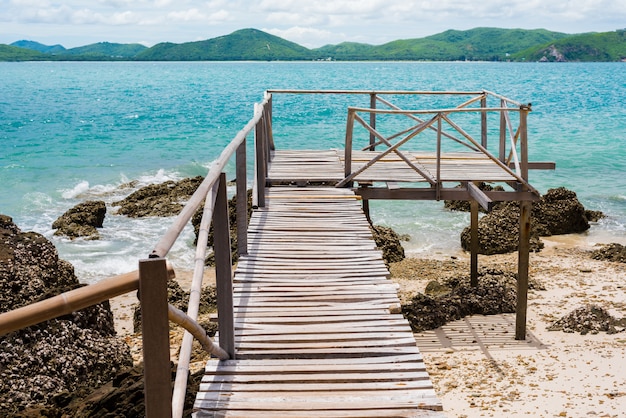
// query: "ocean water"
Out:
[76,131]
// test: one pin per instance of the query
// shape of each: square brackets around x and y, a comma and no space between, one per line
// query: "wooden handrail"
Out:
[71,301]
[167,241]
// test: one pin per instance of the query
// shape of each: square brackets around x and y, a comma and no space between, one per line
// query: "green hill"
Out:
[36,46]
[484,44]
[244,44]
[104,51]
[587,47]
[14,53]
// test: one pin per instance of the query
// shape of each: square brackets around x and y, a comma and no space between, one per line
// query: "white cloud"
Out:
[310,23]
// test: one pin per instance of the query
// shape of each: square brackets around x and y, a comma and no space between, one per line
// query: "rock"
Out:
[165,199]
[610,252]
[81,220]
[589,319]
[495,293]
[434,288]
[498,232]
[63,355]
[558,212]
[388,241]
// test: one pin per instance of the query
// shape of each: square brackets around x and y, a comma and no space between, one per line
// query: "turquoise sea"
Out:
[76,131]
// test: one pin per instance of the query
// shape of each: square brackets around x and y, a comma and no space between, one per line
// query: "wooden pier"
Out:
[318,329]
[309,324]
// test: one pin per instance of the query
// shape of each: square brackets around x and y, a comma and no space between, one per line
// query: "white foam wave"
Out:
[76,191]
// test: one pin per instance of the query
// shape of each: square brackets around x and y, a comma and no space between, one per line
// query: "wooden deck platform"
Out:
[328,167]
[318,331]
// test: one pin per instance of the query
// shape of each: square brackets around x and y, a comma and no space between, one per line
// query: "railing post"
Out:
[223,270]
[242,200]
[483,121]
[268,107]
[522,270]
[259,163]
[523,129]
[438,183]
[372,121]
[348,151]
[502,149]
[153,278]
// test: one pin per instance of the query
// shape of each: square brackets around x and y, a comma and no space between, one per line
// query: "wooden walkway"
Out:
[318,331]
[328,167]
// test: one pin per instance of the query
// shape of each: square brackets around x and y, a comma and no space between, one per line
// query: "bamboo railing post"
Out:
[223,270]
[474,243]
[483,121]
[242,200]
[153,278]
[268,107]
[523,129]
[502,148]
[522,270]
[259,163]
[372,121]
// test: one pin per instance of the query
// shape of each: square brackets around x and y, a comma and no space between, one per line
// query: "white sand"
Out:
[480,370]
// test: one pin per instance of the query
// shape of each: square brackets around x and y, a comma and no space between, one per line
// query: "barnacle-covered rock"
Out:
[589,319]
[494,294]
[68,354]
[558,212]
[610,252]
[164,199]
[81,220]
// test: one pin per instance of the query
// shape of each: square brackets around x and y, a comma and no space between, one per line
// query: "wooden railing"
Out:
[154,272]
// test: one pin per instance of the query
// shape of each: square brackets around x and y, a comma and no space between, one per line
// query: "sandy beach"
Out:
[479,369]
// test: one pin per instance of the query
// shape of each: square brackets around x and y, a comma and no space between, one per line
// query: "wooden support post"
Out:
[523,129]
[522,269]
[260,164]
[242,200]
[483,122]
[348,150]
[153,278]
[372,121]
[223,270]
[474,243]
[502,148]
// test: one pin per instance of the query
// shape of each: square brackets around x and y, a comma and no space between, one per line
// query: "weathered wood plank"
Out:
[312,318]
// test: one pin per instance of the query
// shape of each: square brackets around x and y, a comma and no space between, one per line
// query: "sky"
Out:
[311,23]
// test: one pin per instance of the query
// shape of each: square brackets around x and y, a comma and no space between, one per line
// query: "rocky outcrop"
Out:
[558,212]
[65,355]
[164,199]
[455,298]
[610,252]
[388,241]
[81,220]
[589,319]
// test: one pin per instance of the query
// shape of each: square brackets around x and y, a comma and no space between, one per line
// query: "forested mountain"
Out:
[479,44]
[244,44]
[588,47]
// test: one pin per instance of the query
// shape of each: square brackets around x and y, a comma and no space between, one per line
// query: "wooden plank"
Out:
[312,318]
